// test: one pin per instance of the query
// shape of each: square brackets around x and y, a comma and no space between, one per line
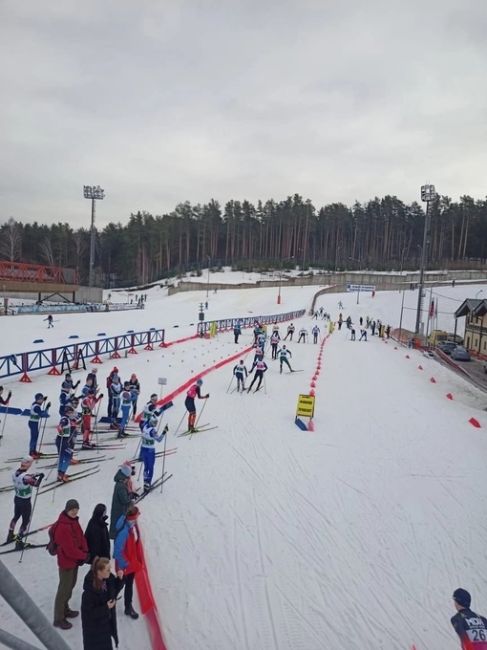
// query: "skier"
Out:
[275,328]
[260,368]
[284,353]
[50,321]
[349,322]
[372,327]
[315,332]
[290,332]
[361,321]
[135,392]
[193,392]
[94,379]
[258,356]
[116,394]
[126,405]
[470,627]
[23,483]
[303,333]
[67,389]
[113,372]
[240,372]
[340,321]
[88,404]
[36,413]
[236,332]
[261,341]
[127,554]
[275,338]
[88,388]
[147,448]
[340,304]
[65,441]
[352,334]
[149,409]
[363,334]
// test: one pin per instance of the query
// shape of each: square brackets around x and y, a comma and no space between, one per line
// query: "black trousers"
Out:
[22,508]
[128,594]
[259,374]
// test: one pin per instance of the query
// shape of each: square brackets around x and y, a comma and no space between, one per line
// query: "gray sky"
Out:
[162,101]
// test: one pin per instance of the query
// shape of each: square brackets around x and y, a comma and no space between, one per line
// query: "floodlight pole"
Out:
[94,193]
[428,195]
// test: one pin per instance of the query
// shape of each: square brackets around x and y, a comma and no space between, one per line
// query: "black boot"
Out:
[10,537]
[130,611]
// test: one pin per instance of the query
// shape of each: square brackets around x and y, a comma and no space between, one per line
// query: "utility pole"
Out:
[95,193]
[428,195]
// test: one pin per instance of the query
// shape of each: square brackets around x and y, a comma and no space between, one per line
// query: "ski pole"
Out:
[42,434]
[95,425]
[229,385]
[30,521]
[265,386]
[3,426]
[201,413]
[163,461]
[180,423]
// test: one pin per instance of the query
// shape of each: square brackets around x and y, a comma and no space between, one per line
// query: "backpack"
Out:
[52,546]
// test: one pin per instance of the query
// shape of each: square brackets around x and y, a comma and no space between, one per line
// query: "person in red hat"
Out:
[127,554]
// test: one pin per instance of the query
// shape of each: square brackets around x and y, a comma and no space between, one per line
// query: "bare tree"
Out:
[11,241]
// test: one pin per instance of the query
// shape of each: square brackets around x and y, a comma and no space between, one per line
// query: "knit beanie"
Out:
[462,597]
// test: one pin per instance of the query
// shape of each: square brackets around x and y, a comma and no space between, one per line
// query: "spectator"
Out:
[98,605]
[96,533]
[72,551]
[122,496]
[126,552]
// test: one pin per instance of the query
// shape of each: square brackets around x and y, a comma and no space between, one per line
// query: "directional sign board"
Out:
[306,406]
[360,287]
[162,381]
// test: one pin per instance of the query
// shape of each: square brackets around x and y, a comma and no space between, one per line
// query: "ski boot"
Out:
[130,611]
[74,461]
[19,544]
[147,487]
[62,477]
[87,445]
[10,537]
[35,455]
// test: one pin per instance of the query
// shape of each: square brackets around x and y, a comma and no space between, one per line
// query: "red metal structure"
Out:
[22,272]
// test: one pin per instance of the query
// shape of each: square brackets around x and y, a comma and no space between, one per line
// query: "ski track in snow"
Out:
[270,538]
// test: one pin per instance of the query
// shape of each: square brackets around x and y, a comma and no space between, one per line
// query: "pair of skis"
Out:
[200,429]
[160,481]
[84,473]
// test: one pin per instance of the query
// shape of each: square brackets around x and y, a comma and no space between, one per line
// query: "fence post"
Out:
[25,365]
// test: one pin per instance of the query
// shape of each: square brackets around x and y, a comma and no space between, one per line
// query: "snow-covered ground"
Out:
[271,538]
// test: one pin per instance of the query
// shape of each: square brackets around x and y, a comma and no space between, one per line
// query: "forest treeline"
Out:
[382,234]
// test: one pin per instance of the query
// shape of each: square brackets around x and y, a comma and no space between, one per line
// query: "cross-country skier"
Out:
[23,483]
[240,372]
[470,627]
[149,409]
[88,388]
[352,334]
[284,354]
[275,338]
[88,404]
[94,378]
[303,333]
[36,413]
[258,356]
[363,334]
[191,395]
[110,377]
[126,405]
[50,321]
[147,448]
[260,367]
[116,394]
[261,341]
[315,332]
[290,332]
[135,392]
[67,389]
[65,441]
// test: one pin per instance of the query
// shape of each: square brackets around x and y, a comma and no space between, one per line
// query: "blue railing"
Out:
[247,321]
[73,353]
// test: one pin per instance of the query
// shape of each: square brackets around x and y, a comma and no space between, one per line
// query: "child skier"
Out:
[283,354]
[240,372]
[23,483]
[260,367]
[191,395]
[147,448]
[36,413]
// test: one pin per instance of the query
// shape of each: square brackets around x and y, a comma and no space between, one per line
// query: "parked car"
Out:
[460,354]
[447,346]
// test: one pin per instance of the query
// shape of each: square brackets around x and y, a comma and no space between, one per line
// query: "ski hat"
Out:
[26,462]
[462,597]
[71,504]
[38,396]
[115,369]
[126,470]
[132,513]
[199,382]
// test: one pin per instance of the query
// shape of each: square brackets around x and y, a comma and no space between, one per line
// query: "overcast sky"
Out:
[162,101]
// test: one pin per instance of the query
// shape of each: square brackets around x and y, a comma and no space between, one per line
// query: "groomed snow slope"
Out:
[268,537]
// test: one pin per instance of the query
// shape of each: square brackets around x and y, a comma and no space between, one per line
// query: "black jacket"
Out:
[99,623]
[470,626]
[96,534]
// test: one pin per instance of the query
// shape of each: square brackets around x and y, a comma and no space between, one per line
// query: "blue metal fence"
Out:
[248,321]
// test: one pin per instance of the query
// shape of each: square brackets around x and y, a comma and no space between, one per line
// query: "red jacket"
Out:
[72,548]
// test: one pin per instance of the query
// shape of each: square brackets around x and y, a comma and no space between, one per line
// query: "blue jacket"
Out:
[122,528]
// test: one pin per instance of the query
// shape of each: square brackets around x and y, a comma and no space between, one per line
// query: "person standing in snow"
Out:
[315,332]
[127,554]
[135,392]
[72,552]
[290,332]
[116,395]
[363,334]
[67,390]
[260,368]
[23,483]
[148,450]
[149,409]
[88,404]
[96,533]
[98,605]
[240,373]
[193,393]
[284,355]
[110,377]
[50,321]
[470,627]
[126,406]
[275,338]
[236,332]
[303,333]
[36,413]
[123,495]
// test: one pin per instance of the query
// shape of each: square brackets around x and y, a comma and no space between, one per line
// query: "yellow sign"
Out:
[306,406]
